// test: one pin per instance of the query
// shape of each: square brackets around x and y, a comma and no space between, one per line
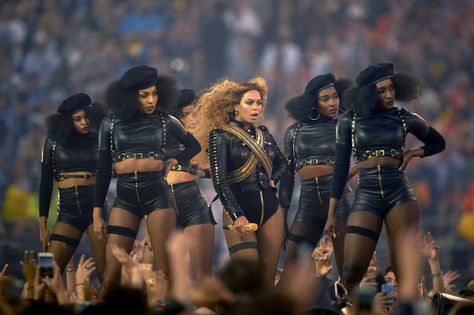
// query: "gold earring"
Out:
[236,112]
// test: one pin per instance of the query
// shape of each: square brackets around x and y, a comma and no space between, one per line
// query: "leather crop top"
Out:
[228,153]
[307,143]
[381,133]
[385,134]
[79,153]
[143,136]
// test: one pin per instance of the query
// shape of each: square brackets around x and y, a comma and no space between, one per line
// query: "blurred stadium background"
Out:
[52,48]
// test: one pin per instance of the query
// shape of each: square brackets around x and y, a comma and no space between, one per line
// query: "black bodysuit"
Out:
[143,136]
[79,153]
[382,133]
[226,154]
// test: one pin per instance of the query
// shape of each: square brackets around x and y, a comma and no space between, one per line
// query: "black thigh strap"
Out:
[299,239]
[362,231]
[120,230]
[237,248]
[67,240]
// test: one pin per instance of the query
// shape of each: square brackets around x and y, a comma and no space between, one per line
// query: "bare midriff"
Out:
[176,177]
[313,171]
[72,182]
[378,160]
[139,165]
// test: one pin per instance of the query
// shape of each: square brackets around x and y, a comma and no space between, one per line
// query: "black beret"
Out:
[186,97]
[74,102]
[375,73]
[138,78]
[319,83]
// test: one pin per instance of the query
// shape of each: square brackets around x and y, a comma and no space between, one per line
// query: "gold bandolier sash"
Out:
[257,154]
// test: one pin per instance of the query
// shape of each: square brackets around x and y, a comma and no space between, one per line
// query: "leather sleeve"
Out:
[433,140]
[218,158]
[46,183]
[287,181]
[280,162]
[343,154]
[104,166]
[191,145]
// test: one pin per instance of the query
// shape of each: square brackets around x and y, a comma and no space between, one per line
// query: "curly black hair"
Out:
[123,102]
[299,107]
[60,126]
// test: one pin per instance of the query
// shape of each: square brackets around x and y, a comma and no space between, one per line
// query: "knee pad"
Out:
[65,239]
[362,231]
[247,245]
[120,230]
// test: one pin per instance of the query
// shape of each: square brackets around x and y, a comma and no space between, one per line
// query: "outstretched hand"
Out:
[322,257]
[429,248]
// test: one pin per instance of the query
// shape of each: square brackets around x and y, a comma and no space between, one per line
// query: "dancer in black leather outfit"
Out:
[192,210]
[245,164]
[374,131]
[70,157]
[135,139]
[310,145]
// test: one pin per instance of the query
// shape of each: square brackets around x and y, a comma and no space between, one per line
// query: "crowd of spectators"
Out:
[53,48]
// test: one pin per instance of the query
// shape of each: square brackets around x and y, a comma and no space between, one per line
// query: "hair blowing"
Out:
[215,107]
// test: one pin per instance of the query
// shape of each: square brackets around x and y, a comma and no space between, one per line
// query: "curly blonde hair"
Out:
[215,107]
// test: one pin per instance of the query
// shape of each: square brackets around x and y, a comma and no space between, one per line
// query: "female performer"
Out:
[310,145]
[70,157]
[375,131]
[191,208]
[135,139]
[245,164]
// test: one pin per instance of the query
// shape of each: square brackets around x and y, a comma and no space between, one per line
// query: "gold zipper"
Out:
[380,181]
[319,191]
[77,200]
[136,186]
[174,199]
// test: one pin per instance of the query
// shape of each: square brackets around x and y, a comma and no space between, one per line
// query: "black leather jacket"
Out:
[227,153]
[307,143]
[381,133]
[79,153]
[143,136]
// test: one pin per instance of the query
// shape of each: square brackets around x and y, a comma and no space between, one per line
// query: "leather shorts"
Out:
[191,207]
[75,206]
[381,188]
[314,202]
[142,193]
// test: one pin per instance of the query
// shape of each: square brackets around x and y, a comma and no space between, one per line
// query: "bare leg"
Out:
[63,250]
[240,246]
[270,237]
[98,248]
[400,221]
[363,229]
[201,253]
[121,218]
[160,224]
[338,243]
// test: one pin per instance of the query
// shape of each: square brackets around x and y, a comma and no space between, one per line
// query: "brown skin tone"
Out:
[63,252]
[399,221]
[250,110]
[164,219]
[186,112]
[202,234]
[327,102]
[269,235]
[147,99]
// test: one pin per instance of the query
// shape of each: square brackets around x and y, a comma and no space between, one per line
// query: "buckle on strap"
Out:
[177,167]
[379,152]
